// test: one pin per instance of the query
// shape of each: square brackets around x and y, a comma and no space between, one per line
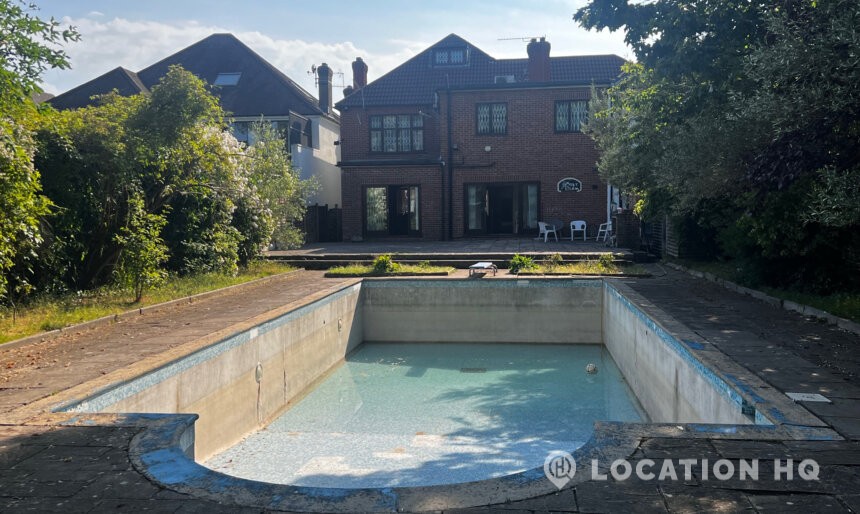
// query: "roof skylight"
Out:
[227,79]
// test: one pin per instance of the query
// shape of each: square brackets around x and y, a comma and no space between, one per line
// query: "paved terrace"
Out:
[460,253]
[45,466]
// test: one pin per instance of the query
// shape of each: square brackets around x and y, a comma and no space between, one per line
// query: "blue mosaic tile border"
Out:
[716,381]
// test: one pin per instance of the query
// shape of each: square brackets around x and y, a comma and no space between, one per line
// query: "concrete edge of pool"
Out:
[164,450]
[158,451]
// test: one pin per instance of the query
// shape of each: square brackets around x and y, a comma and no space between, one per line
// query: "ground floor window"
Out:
[509,208]
[391,210]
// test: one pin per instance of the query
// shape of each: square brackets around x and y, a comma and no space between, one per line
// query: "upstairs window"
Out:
[227,79]
[492,119]
[397,133]
[455,56]
[570,115]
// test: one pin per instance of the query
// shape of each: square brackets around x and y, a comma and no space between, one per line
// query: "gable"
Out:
[126,82]
[260,89]
[416,81]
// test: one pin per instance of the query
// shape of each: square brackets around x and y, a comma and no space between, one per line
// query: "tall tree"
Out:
[28,46]
[742,117]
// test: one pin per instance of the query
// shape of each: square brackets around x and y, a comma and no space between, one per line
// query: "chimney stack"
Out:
[359,73]
[324,74]
[539,64]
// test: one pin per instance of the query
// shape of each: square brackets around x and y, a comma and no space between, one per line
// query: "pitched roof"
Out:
[416,80]
[126,82]
[261,89]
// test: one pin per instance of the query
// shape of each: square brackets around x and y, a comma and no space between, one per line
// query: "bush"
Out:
[385,264]
[606,261]
[521,263]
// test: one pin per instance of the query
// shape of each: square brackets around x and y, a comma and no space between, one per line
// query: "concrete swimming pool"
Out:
[412,414]
[462,335]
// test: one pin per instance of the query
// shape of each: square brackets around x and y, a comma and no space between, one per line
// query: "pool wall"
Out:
[509,311]
[241,383]
[672,385]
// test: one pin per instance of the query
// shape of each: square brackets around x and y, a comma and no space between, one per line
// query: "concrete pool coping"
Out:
[161,451]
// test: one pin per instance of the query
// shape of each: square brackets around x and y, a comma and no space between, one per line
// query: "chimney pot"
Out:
[359,73]
[539,63]
[324,74]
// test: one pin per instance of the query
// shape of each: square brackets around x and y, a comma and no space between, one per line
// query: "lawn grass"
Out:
[49,313]
[845,305]
[367,270]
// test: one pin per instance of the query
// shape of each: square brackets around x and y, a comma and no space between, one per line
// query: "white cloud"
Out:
[137,44]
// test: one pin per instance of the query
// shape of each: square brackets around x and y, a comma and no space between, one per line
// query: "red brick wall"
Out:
[427,178]
[355,133]
[531,151]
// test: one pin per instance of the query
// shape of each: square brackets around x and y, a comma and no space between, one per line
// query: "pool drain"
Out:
[473,370]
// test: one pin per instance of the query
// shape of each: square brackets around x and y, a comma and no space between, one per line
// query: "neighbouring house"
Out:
[454,143]
[250,88]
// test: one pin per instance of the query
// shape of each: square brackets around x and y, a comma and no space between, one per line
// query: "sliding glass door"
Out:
[502,208]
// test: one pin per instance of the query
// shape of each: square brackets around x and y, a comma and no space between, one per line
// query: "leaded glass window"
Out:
[397,133]
[376,205]
[456,56]
[570,115]
[492,118]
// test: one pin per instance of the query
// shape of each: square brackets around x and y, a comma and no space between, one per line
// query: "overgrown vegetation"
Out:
[51,311]
[604,265]
[135,188]
[521,263]
[384,265]
[741,121]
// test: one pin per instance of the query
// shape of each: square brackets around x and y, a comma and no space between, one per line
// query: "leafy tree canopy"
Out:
[28,46]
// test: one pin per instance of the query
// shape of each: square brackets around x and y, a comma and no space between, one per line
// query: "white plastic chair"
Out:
[577,226]
[604,231]
[545,230]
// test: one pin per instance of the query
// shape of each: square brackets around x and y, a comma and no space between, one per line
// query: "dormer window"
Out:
[453,56]
[227,79]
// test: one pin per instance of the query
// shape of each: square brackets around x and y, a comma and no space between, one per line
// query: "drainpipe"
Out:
[450,170]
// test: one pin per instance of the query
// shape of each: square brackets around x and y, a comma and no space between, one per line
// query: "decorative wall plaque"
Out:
[569,184]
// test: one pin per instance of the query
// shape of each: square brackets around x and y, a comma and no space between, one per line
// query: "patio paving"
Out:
[459,247]
[46,467]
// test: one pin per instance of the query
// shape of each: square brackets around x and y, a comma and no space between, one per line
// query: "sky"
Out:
[293,35]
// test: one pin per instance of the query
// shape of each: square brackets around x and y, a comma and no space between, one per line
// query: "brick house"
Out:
[454,143]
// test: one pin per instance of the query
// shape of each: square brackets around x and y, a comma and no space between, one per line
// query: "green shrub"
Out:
[606,261]
[521,263]
[385,264]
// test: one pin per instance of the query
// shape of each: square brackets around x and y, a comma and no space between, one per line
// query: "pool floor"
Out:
[426,414]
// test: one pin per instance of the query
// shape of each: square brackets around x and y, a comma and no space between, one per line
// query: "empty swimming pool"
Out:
[414,414]
[400,394]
